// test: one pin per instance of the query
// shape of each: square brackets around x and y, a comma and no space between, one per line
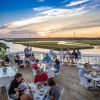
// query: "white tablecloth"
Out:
[95,79]
[6,77]
[10,72]
[50,72]
[36,94]
[91,77]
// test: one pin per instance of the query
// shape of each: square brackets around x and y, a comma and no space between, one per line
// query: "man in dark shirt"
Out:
[14,91]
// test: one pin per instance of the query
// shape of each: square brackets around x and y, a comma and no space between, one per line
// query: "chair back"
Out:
[82,79]
[61,94]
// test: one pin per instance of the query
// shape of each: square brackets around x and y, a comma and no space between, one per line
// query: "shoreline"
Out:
[55,46]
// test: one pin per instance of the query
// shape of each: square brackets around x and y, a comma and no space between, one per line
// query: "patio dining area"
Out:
[67,80]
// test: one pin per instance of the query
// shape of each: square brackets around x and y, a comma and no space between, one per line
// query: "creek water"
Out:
[20,47]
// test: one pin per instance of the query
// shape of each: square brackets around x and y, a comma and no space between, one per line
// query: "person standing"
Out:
[62,55]
[27,56]
[27,52]
[78,54]
[73,56]
[18,59]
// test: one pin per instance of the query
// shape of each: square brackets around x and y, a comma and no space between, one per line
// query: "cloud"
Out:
[44,14]
[77,2]
[54,20]
[58,12]
[21,23]
[67,24]
[41,0]
[43,8]
[95,6]
[3,26]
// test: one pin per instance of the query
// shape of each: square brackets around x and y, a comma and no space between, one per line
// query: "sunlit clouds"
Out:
[77,16]
[74,3]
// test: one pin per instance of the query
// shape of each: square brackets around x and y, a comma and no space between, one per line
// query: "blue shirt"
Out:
[57,66]
[78,54]
[82,74]
[47,59]
[26,51]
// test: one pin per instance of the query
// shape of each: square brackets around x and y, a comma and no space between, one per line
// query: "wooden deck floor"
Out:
[68,79]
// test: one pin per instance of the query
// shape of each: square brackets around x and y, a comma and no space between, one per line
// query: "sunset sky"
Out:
[49,18]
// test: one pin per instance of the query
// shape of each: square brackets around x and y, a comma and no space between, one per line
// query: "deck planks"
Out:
[68,79]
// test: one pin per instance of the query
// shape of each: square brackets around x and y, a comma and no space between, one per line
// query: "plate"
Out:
[41,91]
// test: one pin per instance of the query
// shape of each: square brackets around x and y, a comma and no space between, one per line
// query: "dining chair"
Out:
[61,94]
[82,80]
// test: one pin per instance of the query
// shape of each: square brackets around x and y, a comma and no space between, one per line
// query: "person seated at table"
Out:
[86,70]
[35,65]
[24,88]
[47,59]
[73,56]
[27,61]
[88,67]
[14,91]
[57,65]
[27,52]
[67,55]
[18,59]
[54,57]
[7,59]
[51,53]
[32,57]
[41,77]
[54,92]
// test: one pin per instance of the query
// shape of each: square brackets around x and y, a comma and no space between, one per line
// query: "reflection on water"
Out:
[19,47]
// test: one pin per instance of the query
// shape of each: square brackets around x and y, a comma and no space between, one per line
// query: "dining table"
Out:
[6,75]
[95,78]
[37,92]
[49,69]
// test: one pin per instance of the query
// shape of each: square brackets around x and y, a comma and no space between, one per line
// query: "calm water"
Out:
[19,47]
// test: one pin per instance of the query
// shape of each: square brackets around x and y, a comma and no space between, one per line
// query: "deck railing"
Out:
[85,58]
[93,59]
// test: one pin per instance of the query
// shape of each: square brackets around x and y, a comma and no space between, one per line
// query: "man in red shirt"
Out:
[41,77]
[35,65]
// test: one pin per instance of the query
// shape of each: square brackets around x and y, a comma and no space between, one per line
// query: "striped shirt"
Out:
[55,92]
